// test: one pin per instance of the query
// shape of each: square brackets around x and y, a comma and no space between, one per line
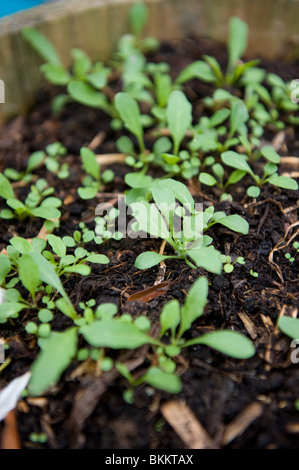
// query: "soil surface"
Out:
[240,404]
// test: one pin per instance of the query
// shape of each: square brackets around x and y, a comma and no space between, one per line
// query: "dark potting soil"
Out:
[87,409]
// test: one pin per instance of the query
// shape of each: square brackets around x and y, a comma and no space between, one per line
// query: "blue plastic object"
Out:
[7,7]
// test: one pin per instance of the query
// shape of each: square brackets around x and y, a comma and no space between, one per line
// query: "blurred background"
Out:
[8,7]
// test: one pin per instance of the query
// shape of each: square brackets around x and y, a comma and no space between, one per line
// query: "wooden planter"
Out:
[96,25]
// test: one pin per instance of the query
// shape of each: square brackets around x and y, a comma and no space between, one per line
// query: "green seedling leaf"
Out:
[163,196]
[170,159]
[194,304]
[138,15]
[21,245]
[85,94]
[253,191]
[150,219]
[47,213]
[5,267]
[236,223]
[270,154]
[115,334]
[237,41]
[149,259]
[89,192]
[130,114]
[239,115]
[170,317]
[232,343]
[198,69]
[82,269]
[66,307]
[289,326]
[283,182]
[10,310]
[47,273]
[29,274]
[138,180]
[100,259]
[6,190]
[56,355]
[180,192]
[41,44]
[90,164]
[106,311]
[179,117]
[206,178]
[82,62]
[207,258]
[35,160]
[235,177]
[236,160]
[155,377]
[57,245]
[56,73]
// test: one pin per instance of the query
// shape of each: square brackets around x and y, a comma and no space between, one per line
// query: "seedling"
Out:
[239,162]
[253,273]
[209,69]
[229,265]
[71,263]
[37,204]
[291,258]
[52,161]
[35,160]
[84,84]
[94,179]
[182,226]
[105,226]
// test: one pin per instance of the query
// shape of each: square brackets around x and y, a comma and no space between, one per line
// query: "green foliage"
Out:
[182,226]
[37,204]
[94,179]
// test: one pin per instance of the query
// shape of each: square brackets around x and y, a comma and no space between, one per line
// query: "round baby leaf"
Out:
[253,191]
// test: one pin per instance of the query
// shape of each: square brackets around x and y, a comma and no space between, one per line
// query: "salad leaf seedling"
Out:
[239,162]
[74,263]
[52,161]
[209,69]
[37,204]
[84,83]
[35,160]
[182,226]
[94,179]
[229,265]
[253,273]
[102,329]
[291,258]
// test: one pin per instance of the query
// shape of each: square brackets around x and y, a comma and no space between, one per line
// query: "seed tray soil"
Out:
[241,404]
